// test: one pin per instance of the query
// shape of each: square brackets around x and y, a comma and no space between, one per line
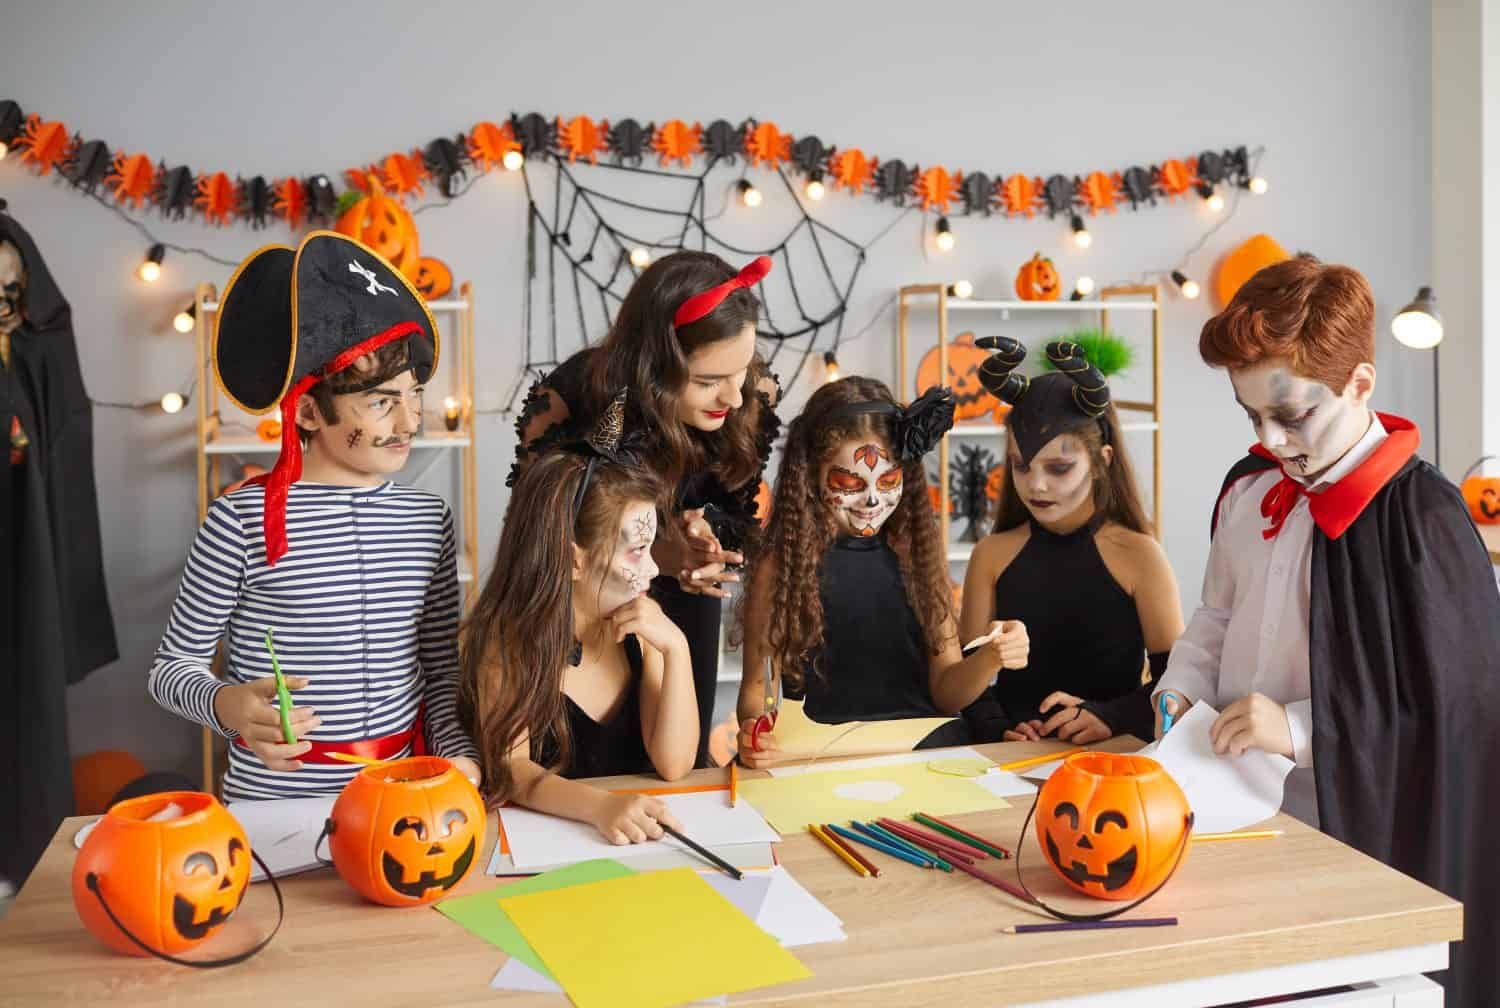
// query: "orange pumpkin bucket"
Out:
[1482,493]
[406,832]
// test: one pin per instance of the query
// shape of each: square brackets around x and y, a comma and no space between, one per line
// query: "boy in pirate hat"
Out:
[356,575]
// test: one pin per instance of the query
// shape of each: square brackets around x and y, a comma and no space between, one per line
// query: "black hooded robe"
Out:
[55,622]
[1404,656]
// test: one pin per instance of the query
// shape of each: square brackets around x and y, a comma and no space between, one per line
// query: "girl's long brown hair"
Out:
[516,641]
[647,354]
[1115,494]
[802,528]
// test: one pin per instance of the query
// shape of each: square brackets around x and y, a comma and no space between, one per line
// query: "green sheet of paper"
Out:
[837,796]
[648,941]
[481,912]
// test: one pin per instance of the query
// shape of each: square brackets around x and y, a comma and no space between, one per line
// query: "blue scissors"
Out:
[1166,716]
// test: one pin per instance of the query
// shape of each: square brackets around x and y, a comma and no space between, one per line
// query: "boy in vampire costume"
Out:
[1349,619]
[356,575]
[55,623]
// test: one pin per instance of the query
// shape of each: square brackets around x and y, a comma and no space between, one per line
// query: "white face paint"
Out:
[1300,421]
[12,287]
[862,484]
[1057,482]
[631,568]
[716,381]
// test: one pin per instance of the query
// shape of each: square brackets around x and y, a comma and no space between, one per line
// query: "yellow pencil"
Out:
[351,758]
[1243,835]
[734,784]
[1024,764]
[843,854]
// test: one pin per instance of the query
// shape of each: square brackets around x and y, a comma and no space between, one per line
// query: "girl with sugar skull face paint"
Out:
[850,602]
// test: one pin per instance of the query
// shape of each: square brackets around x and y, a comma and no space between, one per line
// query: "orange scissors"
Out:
[767,721]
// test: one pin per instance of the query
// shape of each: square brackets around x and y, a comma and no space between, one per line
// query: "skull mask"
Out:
[12,287]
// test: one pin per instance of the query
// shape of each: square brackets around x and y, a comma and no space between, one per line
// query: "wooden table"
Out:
[1259,917]
[1491,536]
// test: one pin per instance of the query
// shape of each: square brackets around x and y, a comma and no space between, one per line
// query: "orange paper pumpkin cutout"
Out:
[1112,826]
[404,173]
[1482,494]
[1177,177]
[994,484]
[46,145]
[937,188]
[1248,259]
[1019,194]
[970,398]
[767,145]
[582,138]
[488,144]
[217,197]
[1100,191]
[1037,280]
[133,178]
[676,140]
[171,882]
[385,226]
[434,279]
[289,201]
[850,169]
[406,832]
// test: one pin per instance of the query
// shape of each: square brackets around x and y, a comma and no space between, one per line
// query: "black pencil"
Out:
[706,854]
[1091,925]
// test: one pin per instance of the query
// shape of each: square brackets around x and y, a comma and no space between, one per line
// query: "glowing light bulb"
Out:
[944,237]
[150,268]
[1419,325]
[1259,185]
[512,160]
[451,413]
[749,195]
[962,290]
[815,189]
[1188,286]
[183,320]
[1081,236]
[1215,202]
[831,366]
[640,257]
[1084,286]
[172,402]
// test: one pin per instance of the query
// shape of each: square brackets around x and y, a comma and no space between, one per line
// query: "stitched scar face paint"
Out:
[1300,421]
[631,567]
[862,484]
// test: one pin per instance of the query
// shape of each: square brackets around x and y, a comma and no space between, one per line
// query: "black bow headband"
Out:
[916,428]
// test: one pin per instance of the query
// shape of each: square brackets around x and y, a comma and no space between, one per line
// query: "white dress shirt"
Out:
[1251,632]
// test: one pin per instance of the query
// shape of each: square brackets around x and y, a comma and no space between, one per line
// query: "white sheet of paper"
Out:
[284,832]
[1042,771]
[706,817]
[1225,792]
[1004,784]
[748,894]
[661,857]
[920,756]
[794,916]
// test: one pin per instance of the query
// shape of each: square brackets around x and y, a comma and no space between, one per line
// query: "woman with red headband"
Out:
[683,345]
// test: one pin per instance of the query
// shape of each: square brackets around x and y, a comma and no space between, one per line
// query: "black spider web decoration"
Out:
[578,259]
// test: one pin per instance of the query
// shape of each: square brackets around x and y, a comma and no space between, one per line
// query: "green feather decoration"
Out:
[1106,351]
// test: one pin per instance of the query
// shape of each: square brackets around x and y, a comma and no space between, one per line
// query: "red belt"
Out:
[384,748]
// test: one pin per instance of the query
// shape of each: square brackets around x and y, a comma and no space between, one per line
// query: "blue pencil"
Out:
[881,833]
[881,846]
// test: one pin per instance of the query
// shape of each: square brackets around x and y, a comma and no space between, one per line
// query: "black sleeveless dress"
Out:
[873,664]
[729,511]
[1085,637]
[609,748]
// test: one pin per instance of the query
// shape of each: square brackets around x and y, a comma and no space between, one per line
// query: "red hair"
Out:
[1321,317]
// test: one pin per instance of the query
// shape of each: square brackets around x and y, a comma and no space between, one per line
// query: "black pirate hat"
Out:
[290,318]
[1069,399]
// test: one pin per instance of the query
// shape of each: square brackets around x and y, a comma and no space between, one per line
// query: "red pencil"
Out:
[943,852]
[971,836]
[931,840]
[849,849]
[1015,891]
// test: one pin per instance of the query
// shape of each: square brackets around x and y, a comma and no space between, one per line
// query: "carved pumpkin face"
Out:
[1482,494]
[386,227]
[172,881]
[433,279]
[970,398]
[1038,280]
[1111,825]
[406,832]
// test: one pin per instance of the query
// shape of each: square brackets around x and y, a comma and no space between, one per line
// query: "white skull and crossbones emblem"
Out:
[375,285]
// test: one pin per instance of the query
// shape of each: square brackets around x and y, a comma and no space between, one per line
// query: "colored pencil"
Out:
[884,848]
[1000,884]
[705,853]
[349,757]
[1026,764]
[734,784]
[1242,835]
[881,833]
[948,848]
[843,855]
[962,836]
[942,856]
[1103,925]
[848,848]
[283,698]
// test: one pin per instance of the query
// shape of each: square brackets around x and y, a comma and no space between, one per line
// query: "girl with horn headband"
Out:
[849,603]
[570,669]
[1072,556]
[683,343]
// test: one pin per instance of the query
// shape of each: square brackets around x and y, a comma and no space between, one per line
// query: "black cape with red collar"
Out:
[55,624]
[1404,656]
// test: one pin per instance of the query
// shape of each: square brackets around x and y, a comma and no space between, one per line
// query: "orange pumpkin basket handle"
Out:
[1470,471]
[1187,835]
[92,881]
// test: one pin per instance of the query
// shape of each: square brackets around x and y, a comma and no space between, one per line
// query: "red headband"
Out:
[699,305]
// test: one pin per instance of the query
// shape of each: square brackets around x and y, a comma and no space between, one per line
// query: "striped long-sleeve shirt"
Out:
[365,605]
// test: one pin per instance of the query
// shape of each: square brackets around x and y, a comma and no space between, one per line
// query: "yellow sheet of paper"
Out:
[654,939]
[800,738]
[864,793]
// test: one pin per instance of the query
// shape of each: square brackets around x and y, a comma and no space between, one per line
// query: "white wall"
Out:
[1338,92]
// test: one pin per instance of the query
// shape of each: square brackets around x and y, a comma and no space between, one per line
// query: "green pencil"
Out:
[283,697]
[959,835]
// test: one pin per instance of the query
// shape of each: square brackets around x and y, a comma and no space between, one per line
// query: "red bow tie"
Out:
[1278,503]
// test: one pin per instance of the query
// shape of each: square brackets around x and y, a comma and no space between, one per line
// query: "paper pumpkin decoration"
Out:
[1482,494]
[269,429]
[1037,280]
[172,882]
[385,226]
[970,398]
[1242,263]
[1112,826]
[404,833]
[433,278]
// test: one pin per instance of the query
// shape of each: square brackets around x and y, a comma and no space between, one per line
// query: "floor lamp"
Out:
[1420,327]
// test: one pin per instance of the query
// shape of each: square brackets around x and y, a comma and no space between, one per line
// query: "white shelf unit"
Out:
[215,443]
[1135,298]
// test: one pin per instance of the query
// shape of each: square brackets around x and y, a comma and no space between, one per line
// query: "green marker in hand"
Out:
[283,697]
